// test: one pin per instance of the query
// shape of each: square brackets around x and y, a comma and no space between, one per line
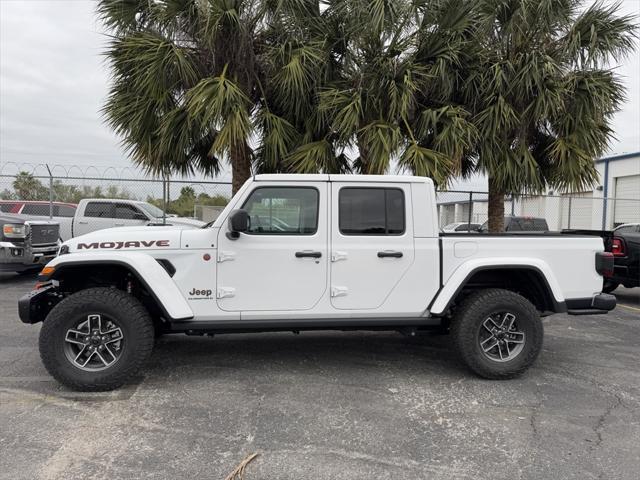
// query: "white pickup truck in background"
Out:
[93,214]
[310,252]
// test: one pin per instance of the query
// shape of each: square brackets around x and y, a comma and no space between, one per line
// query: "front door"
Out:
[281,262]
[371,242]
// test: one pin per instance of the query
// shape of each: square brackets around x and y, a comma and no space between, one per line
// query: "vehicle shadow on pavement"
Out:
[321,352]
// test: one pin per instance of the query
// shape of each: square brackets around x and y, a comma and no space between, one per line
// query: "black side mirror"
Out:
[238,222]
[139,216]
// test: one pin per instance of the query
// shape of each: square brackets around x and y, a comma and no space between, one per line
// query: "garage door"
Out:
[577,210]
[627,203]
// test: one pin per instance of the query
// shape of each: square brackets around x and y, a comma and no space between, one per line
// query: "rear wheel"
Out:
[498,333]
[96,339]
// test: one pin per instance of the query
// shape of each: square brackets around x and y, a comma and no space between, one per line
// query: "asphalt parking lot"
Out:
[329,405]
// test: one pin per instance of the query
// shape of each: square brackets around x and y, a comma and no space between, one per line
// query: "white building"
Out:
[615,200]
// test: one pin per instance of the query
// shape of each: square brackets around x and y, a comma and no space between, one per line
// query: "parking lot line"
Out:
[629,307]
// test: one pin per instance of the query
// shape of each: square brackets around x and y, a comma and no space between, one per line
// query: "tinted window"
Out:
[467,227]
[371,211]
[99,210]
[283,211]
[66,211]
[40,209]
[6,207]
[126,211]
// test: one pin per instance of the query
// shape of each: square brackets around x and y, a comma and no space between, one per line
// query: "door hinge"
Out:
[338,255]
[226,292]
[339,291]
[226,255]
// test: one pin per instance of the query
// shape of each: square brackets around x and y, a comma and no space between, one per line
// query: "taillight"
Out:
[617,247]
[604,264]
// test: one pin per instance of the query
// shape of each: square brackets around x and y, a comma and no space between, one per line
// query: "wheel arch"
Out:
[151,275]
[532,281]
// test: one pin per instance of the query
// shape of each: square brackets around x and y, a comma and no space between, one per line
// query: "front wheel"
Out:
[96,339]
[498,333]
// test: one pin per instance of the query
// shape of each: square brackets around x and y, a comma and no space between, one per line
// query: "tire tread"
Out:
[135,313]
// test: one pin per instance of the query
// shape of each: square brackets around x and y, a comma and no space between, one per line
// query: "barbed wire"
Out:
[93,172]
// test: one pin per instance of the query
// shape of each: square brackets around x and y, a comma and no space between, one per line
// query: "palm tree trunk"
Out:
[365,164]
[240,166]
[495,207]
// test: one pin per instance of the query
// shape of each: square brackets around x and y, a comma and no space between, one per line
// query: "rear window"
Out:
[7,207]
[371,211]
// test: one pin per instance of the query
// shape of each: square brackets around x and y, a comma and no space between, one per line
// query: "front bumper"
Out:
[34,306]
[598,304]
[18,257]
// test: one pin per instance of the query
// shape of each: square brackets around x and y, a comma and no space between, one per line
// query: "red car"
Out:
[38,208]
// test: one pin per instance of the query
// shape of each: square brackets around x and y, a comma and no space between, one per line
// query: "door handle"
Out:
[389,253]
[118,224]
[308,254]
[83,223]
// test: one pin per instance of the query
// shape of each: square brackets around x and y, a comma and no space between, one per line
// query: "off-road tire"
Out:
[470,315]
[137,329]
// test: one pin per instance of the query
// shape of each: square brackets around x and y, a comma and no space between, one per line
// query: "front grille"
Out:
[43,234]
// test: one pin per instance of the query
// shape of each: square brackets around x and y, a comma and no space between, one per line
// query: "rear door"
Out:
[371,242]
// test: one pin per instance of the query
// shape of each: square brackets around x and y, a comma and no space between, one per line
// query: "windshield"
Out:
[151,210]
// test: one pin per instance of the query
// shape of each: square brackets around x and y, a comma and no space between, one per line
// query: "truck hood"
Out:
[180,221]
[127,238]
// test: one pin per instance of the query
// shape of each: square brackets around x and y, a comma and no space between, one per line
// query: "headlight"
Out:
[12,230]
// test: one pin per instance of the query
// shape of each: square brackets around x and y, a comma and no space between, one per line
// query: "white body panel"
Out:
[259,277]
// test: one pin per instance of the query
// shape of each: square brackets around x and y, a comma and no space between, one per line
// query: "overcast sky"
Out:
[53,82]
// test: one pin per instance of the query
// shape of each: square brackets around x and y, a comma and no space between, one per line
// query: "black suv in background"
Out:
[27,245]
[520,224]
[625,246]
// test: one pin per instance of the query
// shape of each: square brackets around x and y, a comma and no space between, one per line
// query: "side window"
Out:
[39,209]
[125,211]
[371,211]
[283,211]
[99,210]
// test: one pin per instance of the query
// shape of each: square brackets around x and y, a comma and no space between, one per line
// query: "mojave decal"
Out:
[127,244]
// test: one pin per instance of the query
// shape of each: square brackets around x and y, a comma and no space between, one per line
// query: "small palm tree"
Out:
[541,93]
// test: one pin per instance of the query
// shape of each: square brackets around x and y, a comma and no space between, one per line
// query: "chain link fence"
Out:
[205,199]
[196,198]
[578,210]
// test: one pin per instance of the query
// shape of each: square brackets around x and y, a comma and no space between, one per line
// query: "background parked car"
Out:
[93,214]
[520,224]
[625,246]
[461,227]
[26,245]
[39,210]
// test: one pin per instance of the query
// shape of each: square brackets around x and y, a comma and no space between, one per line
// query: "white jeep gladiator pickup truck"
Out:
[310,252]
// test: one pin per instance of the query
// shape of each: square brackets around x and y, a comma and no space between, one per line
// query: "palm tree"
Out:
[541,93]
[393,97]
[197,81]
[185,75]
